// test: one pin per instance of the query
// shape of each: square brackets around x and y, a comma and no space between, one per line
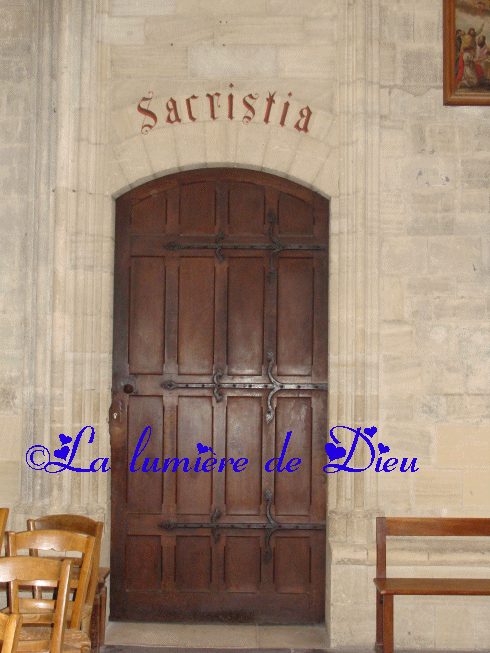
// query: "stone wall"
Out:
[435,273]
[17,23]
[410,246]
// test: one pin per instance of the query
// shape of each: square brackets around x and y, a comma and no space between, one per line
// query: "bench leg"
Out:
[379,622]
[388,639]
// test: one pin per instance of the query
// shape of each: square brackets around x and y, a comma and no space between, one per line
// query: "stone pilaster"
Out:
[354,282]
[67,366]
[354,327]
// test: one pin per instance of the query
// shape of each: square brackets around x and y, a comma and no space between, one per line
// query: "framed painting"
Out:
[466,52]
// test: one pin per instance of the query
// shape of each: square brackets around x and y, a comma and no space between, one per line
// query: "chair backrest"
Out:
[60,541]
[424,527]
[40,572]
[4,513]
[10,625]
[75,524]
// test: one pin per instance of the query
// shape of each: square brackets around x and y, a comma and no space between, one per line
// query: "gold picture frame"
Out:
[466,65]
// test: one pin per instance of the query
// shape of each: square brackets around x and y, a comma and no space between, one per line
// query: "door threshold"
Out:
[215,636]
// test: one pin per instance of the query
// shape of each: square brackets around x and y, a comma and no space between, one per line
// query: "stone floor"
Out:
[212,636]
[208,638]
[174,649]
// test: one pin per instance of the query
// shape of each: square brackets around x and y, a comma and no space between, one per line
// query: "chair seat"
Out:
[73,642]
[434,586]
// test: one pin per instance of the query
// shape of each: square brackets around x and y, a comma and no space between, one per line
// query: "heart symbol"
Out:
[334,452]
[63,452]
[371,430]
[201,448]
[382,448]
[64,439]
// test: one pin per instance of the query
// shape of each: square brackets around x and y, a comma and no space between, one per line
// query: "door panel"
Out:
[196,327]
[143,563]
[195,424]
[292,493]
[295,316]
[244,440]
[242,564]
[145,488]
[245,315]
[220,339]
[147,315]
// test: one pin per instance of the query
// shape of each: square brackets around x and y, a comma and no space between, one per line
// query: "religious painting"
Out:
[466,52]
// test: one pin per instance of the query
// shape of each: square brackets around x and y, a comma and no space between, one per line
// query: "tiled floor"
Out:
[214,636]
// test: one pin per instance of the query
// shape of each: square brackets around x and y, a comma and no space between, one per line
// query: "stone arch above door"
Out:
[309,158]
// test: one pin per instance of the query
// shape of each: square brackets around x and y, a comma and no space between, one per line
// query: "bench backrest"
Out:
[424,526]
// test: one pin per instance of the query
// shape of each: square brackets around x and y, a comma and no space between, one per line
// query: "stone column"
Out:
[354,325]
[67,368]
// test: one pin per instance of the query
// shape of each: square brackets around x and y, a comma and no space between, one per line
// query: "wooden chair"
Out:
[10,625]
[94,614]
[26,571]
[62,542]
[4,513]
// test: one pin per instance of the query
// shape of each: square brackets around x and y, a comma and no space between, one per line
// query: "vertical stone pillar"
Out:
[354,330]
[355,281]
[67,369]
[38,286]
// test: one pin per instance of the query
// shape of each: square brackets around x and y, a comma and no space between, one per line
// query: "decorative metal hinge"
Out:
[274,386]
[271,526]
[275,247]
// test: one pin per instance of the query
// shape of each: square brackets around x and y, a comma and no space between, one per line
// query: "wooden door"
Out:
[220,297]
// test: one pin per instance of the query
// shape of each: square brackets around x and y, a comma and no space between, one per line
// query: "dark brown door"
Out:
[220,340]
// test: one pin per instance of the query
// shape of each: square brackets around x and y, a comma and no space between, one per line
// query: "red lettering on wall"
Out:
[211,104]
[230,104]
[172,109]
[249,100]
[306,116]
[270,102]
[284,112]
[147,127]
[246,117]
[188,104]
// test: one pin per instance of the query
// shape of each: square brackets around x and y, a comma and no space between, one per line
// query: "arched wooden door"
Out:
[220,342]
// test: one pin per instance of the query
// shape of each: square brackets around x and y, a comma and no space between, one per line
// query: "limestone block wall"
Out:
[434,314]
[435,273]
[434,347]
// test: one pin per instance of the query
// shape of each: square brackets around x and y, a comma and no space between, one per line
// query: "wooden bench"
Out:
[386,588]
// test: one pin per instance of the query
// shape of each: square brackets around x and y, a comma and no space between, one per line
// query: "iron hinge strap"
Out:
[274,248]
[274,386]
[271,526]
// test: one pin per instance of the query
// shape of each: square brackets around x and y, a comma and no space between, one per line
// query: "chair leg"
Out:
[388,638]
[97,621]
[379,646]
